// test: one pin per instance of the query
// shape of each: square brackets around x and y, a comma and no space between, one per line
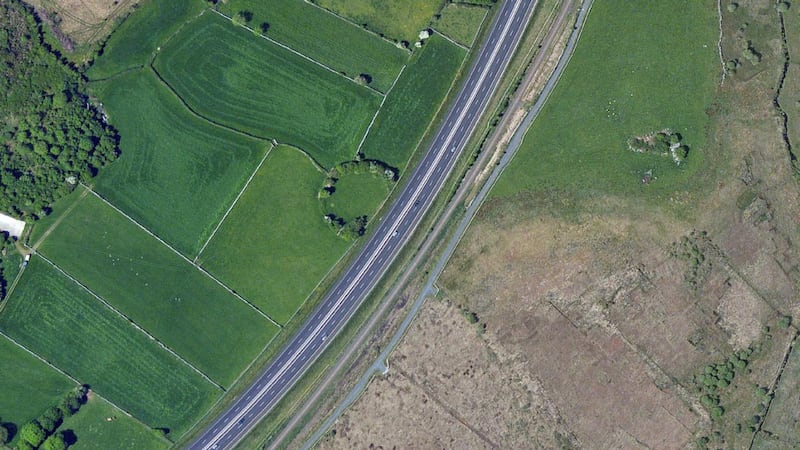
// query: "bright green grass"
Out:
[57,319]
[94,432]
[639,67]
[135,41]
[234,77]
[177,174]
[461,22]
[324,37]
[274,247]
[181,306]
[401,20]
[27,385]
[357,195]
[413,102]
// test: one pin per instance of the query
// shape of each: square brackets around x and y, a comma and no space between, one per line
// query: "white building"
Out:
[13,226]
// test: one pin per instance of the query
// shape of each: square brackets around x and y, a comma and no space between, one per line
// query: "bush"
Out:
[784,322]
[733,7]
[32,433]
[55,442]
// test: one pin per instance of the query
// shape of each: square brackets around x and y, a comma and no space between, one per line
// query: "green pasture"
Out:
[323,37]
[274,247]
[357,194]
[412,104]
[177,174]
[461,22]
[157,289]
[137,39]
[400,20]
[94,431]
[27,385]
[56,318]
[236,78]
[637,69]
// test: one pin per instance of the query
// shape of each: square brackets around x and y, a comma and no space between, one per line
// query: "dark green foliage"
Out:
[32,433]
[784,322]
[51,136]
[55,442]
[715,378]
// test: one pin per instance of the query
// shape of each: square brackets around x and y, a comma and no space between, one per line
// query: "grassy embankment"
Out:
[460,22]
[412,104]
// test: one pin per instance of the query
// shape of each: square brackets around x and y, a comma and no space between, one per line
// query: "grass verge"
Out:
[412,104]
[461,22]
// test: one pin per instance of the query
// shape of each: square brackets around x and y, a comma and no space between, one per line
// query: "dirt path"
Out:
[55,224]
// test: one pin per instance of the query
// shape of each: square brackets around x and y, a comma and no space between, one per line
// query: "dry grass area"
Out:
[80,22]
[596,317]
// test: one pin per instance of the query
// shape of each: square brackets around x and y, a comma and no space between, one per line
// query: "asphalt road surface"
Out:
[393,231]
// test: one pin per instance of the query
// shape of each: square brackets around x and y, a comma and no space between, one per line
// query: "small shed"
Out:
[13,226]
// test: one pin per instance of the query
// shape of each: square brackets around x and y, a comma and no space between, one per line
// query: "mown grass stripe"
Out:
[307,58]
[132,322]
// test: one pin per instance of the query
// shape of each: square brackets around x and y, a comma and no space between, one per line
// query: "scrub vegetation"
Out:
[51,135]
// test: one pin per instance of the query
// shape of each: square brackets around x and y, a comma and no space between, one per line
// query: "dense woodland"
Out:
[51,136]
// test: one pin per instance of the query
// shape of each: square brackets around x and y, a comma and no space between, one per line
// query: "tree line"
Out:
[52,135]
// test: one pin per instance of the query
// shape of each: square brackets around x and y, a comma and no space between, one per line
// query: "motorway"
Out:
[393,231]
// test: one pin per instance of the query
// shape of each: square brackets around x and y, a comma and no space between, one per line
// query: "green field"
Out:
[57,319]
[274,247]
[94,431]
[158,290]
[638,68]
[27,385]
[461,22]
[233,77]
[357,194]
[135,41]
[324,37]
[400,20]
[413,102]
[177,174]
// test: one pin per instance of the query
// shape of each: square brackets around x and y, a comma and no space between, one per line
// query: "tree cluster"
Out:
[51,134]
[42,433]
